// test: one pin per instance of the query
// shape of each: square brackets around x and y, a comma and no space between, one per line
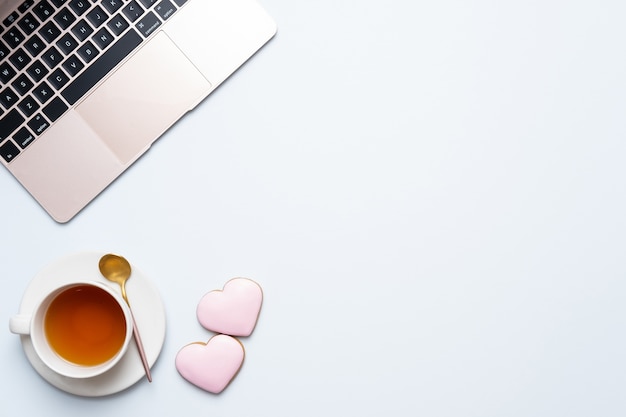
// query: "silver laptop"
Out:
[86,86]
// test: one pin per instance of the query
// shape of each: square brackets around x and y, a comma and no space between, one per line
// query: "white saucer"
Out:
[147,308]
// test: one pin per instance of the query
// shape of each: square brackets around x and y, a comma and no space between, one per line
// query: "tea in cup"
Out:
[79,330]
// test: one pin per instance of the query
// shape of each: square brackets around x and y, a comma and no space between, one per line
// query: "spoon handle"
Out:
[139,343]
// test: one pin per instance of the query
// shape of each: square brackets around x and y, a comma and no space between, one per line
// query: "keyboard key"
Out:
[101,66]
[64,18]
[58,3]
[38,124]
[117,24]
[88,52]
[43,92]
[112,5]
[28,106]
[52,57]
[55,109]
[23,137]
[103,38]
[28,23]
[8,98]
[67,43]
[97,17]
[50,32]
[20,59]
[133,11]
[34,45]
[180,2]
[165,9]
[79,6]
[25,5]
[10,19]
[4,51]
[22,84]
[82,30]
[148,3]
[9,151]
[9,122]
[43,10]
[7,72]
[58,79]
[37,71]
[13,37]
[73,65]
[148,24]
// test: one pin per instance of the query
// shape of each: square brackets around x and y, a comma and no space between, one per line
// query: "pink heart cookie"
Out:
[213,365]
[234,310]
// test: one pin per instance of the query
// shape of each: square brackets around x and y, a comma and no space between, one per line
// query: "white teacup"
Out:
[79,330]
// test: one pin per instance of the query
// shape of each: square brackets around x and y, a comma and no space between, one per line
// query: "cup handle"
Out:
[20,324]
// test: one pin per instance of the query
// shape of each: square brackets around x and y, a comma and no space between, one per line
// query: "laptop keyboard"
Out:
[52,52]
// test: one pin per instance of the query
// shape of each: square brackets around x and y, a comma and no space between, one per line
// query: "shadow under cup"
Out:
[79,330]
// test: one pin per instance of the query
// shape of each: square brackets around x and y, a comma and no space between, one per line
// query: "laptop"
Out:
[86,86]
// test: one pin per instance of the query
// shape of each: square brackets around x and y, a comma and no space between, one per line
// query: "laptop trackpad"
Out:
[139,102]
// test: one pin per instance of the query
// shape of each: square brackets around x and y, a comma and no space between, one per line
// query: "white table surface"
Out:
[430,193]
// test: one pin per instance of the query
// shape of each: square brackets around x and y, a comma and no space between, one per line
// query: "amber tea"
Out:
[85,325]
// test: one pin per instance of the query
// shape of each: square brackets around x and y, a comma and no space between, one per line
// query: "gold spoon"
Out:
[117,269]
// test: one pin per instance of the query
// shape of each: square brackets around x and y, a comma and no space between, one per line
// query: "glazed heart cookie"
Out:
[212,365]
[234,310]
